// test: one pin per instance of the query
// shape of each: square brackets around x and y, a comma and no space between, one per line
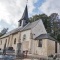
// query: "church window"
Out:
[15,41]
[24,37]
[31,35]
[40,43]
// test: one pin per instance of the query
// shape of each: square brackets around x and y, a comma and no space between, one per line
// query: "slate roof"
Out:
[25,14]
[27,27]
[45,36]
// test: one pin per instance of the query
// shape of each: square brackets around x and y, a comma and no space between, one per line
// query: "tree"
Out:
[54,19]
[51,23]
[44,18]
[58,37]
[3,31]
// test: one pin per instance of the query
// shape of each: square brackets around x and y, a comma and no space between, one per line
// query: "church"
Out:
[31,37]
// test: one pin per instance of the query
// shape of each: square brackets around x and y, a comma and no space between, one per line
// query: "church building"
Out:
[31,37]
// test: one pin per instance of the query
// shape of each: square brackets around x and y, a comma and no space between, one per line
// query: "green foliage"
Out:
[58,37]
[3,31]
[44,18]
[0,34]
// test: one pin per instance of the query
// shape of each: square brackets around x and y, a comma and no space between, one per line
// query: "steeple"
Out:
[24,20]
[25,14]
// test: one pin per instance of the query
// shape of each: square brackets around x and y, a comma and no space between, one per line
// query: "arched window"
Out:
[24,37]
[15,41]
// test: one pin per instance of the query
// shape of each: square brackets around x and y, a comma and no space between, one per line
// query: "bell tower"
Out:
[24,20]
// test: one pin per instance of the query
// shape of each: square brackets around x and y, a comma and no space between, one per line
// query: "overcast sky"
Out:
[12,10]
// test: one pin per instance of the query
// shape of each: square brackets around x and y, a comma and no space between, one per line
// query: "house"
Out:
[32,37]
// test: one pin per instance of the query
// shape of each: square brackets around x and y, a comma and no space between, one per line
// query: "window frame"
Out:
[15,41]
[40,43]
[24,37]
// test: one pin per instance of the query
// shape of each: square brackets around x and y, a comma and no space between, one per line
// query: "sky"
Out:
[11,10]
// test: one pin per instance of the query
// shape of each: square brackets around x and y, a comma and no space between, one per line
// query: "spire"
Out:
[24,19]
[25,14]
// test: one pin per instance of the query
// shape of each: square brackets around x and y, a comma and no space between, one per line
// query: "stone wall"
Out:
[39,50]
[25,43]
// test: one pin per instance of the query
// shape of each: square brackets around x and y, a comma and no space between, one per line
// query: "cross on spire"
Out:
[27,1]
[24,17]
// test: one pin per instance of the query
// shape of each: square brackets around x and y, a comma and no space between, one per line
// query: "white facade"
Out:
[38,29]
[26,38]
